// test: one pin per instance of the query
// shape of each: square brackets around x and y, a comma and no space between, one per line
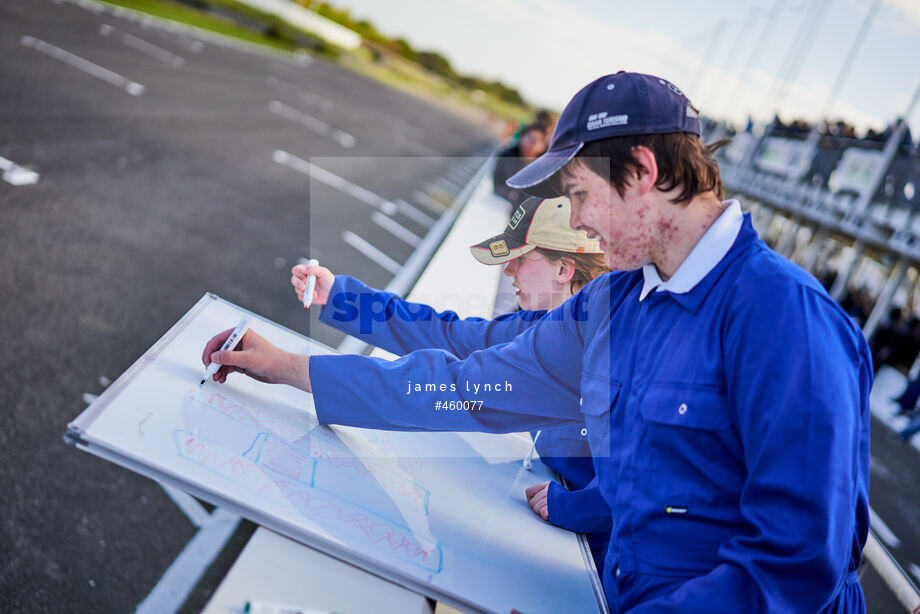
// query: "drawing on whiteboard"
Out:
[253,416]
[140,425]
[316,474]
[385,441]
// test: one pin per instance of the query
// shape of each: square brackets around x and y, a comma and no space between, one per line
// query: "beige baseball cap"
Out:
[536,223]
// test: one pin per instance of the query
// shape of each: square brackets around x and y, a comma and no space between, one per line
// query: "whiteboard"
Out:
[443,514]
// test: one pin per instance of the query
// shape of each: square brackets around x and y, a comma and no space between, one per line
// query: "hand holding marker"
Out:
[319,279]
[229,344]
[311,285]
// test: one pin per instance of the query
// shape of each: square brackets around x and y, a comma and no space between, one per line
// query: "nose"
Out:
[510,268]
[574,219]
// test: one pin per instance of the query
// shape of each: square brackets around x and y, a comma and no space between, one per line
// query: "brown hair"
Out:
[683,163]
[587,266]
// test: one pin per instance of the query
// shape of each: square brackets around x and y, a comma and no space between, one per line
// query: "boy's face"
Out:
[626,226]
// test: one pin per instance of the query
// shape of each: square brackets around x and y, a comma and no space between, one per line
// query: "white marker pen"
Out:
[229,344]
[311,286]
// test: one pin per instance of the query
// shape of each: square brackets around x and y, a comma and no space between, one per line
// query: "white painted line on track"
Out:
[438,192]
[139,44]
[428,200]
[308,121]
[447,185]
[401,125]
[884,533]
[17,175]
[414,214]
[394,228]
[307,96]
[196,513]
[332,180]
[414,147]
[183,39]
[195,46]
[305,58]
[180,579]
[133,88]
[363,195]
[371,252]
[456,174]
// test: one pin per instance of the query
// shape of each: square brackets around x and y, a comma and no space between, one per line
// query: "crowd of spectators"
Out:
[800,129]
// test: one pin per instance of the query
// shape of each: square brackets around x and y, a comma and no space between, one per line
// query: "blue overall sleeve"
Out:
[533,382]
[798,375]
[582,511]
[386,321]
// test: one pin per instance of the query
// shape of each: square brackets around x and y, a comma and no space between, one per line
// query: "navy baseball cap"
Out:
[622,104]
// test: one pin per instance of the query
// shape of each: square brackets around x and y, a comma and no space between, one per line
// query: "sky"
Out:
[733,58]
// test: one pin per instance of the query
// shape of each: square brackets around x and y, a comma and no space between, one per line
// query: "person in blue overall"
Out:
[726,395]
[548,263]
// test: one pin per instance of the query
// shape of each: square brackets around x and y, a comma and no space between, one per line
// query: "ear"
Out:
[647,171]
[565,270]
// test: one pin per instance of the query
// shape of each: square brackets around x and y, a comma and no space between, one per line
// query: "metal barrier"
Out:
[876,555]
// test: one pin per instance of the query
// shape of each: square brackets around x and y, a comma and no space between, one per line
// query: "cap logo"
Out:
[498,248]
[516,218]
[602,120]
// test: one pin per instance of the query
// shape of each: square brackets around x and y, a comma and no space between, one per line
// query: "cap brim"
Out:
[533,177]
[483,253]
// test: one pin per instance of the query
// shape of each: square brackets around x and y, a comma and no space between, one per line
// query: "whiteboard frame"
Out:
[77,436]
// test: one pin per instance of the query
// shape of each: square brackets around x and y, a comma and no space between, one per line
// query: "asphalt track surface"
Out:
[144,203]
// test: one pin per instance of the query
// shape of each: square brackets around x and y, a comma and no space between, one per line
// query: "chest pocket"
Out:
[686,407]
[688,451]
[598,394]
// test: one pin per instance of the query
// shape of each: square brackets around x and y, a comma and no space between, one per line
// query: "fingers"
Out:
[241,357]
[541,508]
[299,286]
[537,499]
[302,270]
[231,358]
[212,345]
[224,372]
[533,490]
